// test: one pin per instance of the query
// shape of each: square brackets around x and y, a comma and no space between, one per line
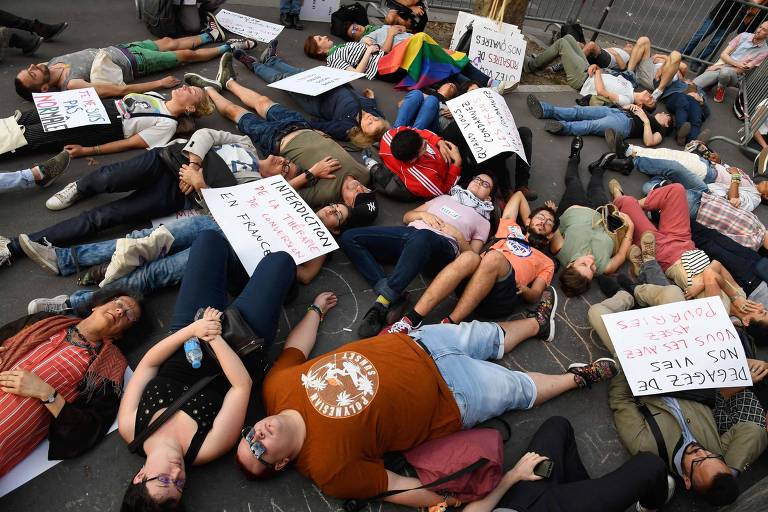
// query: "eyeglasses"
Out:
[483,183]
[337,213]
[695,462]
[545,219]
[130,314]
[166,480]
[257,447]
[285,168]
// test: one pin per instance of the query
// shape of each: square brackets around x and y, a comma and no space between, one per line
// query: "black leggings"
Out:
[575,195]
[38,140]
[642,478]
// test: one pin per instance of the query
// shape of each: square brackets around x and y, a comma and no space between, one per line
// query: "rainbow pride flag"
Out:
[424,61]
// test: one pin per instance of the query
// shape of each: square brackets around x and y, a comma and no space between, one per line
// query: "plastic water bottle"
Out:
[194,352]
[192,346]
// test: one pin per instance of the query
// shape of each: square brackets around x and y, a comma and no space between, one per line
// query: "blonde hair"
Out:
[204,107]
[358,138]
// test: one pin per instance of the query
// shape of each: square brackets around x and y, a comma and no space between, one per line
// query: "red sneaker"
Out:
[403,325]
[719,94]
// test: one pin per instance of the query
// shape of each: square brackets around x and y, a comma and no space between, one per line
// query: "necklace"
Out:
[80,344]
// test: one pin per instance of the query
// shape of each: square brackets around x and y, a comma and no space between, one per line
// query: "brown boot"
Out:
[636,259]
[648,246]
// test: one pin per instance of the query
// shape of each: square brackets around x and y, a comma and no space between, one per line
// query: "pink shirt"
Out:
[471,224]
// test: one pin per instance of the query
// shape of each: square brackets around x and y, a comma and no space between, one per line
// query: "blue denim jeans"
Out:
[707,27]
[588,120]
[687,110]
[676,172]
[148,278]
[16,180]
[264,132]
[290,6]
[482,389]
[412,250]
[418,112]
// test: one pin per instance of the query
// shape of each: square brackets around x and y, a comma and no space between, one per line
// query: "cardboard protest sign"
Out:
[675,347]
[266,216]
[318,10]
[69,109]
[486,124]
[316,81]
[247,26]
[497,49]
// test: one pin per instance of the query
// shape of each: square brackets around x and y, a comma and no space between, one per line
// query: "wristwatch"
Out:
[51,398]
[311,178]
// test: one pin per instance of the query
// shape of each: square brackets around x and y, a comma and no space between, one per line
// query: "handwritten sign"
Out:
[247,26]
[315,81]
[486,123]
[69,109]
[675,347]
[318,10]
[497,49]
[266,216]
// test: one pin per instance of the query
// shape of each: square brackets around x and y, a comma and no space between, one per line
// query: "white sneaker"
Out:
[501,87]
[5,253]
[64,198]
[54,305]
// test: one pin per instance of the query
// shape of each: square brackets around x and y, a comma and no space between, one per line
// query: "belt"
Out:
[422,345]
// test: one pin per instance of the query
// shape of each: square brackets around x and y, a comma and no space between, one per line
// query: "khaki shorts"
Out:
[645,72]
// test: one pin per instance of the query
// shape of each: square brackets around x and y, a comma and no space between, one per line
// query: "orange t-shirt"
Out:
[528,262]
[360,401]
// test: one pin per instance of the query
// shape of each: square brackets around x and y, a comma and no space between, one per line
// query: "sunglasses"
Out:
[257,447]
[167,480]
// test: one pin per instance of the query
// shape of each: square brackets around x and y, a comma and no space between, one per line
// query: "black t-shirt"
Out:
[637,126]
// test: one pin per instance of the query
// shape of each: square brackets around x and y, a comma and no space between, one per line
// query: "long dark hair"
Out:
[138,499]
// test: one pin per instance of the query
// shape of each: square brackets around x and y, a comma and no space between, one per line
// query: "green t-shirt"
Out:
[582,239]
[308,148]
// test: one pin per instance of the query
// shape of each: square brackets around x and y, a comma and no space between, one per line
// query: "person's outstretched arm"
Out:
[304,335]
[104,90]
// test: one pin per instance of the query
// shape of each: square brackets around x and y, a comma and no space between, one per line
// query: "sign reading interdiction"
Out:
[266,216]
[69,109]
[680,346]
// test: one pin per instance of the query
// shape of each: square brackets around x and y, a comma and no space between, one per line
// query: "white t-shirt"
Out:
[155,130]
[614,84]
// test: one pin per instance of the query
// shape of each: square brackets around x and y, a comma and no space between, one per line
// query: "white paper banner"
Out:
[37,463]
[318,10]
[684,345]
[315,81]
[68,109]
[464,20]
[266,216]
[486,123]
[246,26]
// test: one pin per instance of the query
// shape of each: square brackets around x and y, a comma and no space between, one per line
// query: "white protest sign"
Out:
[247,26]
[318,10]
[684,345]
[315,81]
[266,216]
[68,109]
[465,20]
[486,123]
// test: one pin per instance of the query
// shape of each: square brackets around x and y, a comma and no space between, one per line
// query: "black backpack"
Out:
[345,16]
[573,29]
[159,16]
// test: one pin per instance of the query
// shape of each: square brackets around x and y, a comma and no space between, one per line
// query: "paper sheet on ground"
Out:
[247,26]
[69,109]
[36,463]
[318,10]
[486,123]
[316,81]
[266,216]
[684,345]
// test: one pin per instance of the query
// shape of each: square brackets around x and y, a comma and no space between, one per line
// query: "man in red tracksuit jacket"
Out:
[434,166]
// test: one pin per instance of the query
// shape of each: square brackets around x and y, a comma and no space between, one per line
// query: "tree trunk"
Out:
[513,14]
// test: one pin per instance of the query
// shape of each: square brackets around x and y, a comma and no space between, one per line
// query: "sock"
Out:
[206,38]
[383,301]
[224,49]
[414,317]
[629,150]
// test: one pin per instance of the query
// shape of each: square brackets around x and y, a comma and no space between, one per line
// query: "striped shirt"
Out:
[694,262]
[739,225]
[24,421]
[351,54]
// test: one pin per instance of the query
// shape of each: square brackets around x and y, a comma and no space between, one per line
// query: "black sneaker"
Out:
[373,321]
[48,32]
[682,133]
[577,143]
[297,24]
[269,52]
[53,168]
[602,162]
[554,127]
[619,146]
[545,314]
[587,374]
[534,106]
[286,20]
[32,45]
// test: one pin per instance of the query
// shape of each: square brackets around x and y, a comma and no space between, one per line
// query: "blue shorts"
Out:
[266,133]
[482,389]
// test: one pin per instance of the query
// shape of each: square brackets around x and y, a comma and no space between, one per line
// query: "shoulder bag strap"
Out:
[139,439]
[151,114]
[661,445]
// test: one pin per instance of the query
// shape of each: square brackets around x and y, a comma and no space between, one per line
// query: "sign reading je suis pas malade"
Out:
[680,346]
[266,216]
[497,49]
[247,26]
[69,109]
[486,123]
[318,10]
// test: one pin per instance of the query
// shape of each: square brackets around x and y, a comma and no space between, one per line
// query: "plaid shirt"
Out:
[741,226]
